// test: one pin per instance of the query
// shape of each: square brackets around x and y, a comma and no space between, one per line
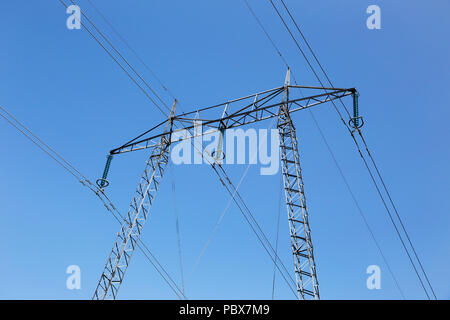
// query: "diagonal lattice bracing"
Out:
[300,233]
[131,228]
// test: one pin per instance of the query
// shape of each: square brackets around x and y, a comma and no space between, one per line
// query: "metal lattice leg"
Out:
[300,233]
[131,229]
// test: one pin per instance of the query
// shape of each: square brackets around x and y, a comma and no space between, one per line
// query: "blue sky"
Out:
[63,86]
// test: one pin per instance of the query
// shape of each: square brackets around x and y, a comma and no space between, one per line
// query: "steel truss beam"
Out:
[235,113]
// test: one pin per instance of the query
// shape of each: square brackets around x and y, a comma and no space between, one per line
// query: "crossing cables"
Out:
[374,172]
[66,165]
[122,62]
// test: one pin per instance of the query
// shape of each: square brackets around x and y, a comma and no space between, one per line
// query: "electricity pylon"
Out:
[238,112]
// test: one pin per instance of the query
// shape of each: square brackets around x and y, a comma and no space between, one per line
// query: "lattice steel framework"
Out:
[131,228]
[238,112]
[300,233]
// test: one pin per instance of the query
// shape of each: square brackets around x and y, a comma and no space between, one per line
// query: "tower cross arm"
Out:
[238,112]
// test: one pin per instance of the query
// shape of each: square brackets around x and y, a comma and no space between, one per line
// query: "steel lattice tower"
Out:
[234,113]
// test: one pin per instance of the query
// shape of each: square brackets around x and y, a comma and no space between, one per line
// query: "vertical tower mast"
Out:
[300,233]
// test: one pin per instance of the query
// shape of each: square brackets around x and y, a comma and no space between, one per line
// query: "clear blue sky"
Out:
[63,86]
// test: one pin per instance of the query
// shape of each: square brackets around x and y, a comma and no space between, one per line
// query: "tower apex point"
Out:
[288,77]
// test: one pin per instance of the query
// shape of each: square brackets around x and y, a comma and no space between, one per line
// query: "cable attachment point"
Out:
[356,123]
[218,154]
[102,183]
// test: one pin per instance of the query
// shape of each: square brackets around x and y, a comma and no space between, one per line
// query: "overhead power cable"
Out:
[362,156]
[122,57]
[134,52]
[127,44]
[397,214]
[102,35]
[144,82]
[248,217]
[177,227]
[116,60]
[267,34]
[278,232]
[368,152]
[360,211]
[43,146]
[122,67]
[254,225]
[219,221]
[205,246]
[131,77]
[153,91]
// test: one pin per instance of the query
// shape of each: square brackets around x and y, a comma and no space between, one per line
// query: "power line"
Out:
[310,49]
[156,264]
[367,149]
[14,122]
[330,151]
[119,64]
[123,68]
[140,59]
[296,42]
[245,211]
[361,213]
[248,216]
[167,107]
[356,203]
[225,210]
[162,112]
[398,217]
[122,57]
[177,227]
[266,33]
[278,232]
[122,38]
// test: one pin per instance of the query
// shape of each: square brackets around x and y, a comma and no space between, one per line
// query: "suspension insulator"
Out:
[218,154]
[357,121]
[103,182]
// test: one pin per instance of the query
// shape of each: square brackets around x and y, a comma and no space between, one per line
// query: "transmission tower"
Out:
[279,102]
